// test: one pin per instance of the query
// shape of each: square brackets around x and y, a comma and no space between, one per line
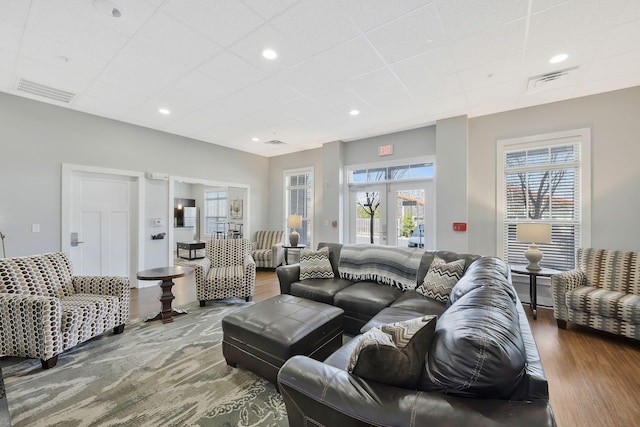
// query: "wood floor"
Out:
[594,377]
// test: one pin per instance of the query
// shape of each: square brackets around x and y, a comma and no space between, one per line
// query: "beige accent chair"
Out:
[45,309]
[232,271]
[268,251]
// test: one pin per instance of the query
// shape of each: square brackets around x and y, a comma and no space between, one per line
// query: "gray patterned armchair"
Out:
[45,310]
[603,292]
[268,251]
[232,272]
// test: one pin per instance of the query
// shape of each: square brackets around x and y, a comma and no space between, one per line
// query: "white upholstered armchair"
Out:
[45,310]
[232,272]
[267,249]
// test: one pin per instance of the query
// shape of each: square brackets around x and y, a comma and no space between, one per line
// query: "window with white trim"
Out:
[545,179]
[299,200]
[215,211]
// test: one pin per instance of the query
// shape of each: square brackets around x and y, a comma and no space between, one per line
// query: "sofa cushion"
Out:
[321,290]
[81,310]
[315,264]
[393,353]
[441,278]
[366,298]
[412,300]
[478,349]
[602,302]
[486,271]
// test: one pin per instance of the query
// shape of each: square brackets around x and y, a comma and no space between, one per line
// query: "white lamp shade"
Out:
[294,221]
[533,232]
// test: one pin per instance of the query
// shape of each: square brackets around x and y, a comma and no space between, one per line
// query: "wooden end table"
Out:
[533,285]
[166,275]
[286,251]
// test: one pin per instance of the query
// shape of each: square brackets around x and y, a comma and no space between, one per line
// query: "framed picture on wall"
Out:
[235,209]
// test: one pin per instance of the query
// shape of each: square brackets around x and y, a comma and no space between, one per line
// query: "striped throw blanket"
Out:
[383,264]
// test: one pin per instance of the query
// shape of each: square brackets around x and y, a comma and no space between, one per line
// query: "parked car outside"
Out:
[417,237]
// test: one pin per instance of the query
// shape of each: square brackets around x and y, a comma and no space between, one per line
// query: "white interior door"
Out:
[101,224]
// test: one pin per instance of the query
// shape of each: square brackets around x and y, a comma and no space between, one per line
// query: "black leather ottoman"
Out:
[265,335]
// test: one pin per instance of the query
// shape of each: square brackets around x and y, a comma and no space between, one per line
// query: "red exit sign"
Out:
[385,150]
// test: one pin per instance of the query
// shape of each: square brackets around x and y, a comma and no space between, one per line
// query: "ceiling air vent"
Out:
[274,142]
[552,80]
[45,91]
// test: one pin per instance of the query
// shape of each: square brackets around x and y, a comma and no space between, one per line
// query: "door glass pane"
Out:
[368,210]
[409,218]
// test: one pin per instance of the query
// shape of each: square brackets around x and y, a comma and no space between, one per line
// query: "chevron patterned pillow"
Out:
[394,354]
[441,278]
[315,264]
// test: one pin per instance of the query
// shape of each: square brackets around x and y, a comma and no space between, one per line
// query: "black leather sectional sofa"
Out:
[482,367]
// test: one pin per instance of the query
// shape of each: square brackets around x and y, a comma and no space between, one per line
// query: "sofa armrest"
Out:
[277,254]
[30,326]
[287,274]
[560,285]
[107,285]
[250,271]
[329,396]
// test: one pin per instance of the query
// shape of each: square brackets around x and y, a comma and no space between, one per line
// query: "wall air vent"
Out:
[552,80]
[45,91]
[274,142]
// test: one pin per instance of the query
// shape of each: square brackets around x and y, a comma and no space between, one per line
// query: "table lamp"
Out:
[294,221]
[533,232]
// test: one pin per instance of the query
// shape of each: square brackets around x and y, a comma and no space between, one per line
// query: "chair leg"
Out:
[49,363]
[118,329]
[249,298]
[202,303]
[562,324]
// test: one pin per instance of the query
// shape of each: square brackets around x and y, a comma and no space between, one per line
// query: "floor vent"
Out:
[274,142]
[552,80]
[45,91]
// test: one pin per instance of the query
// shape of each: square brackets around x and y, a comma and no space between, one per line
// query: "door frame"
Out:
[246,229]
[136,239]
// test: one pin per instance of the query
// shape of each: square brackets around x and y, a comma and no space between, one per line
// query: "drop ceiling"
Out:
[401,63]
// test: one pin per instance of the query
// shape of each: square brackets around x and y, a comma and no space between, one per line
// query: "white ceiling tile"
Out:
[374,83]
[232,70]
[317,25]
[369,14]
[55,76]
[190,124]
[10,36]
[436,89]
[409,35]
[141,70]
[493,73]
[222,21]
[572,19]
[290,51]
[200,83]
[66,27]
[123,100]
[427,66]
[271,8]
[175,40]
[14,11]
[602,69]
[538,5]
[272,91]
[391,101]
[7,61]
[593,87]
[492,45]
[495,93]
[335,65]
[449,106]
[620,39]
[105,106]
[462,18]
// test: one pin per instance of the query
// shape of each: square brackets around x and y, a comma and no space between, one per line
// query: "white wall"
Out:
[37,138]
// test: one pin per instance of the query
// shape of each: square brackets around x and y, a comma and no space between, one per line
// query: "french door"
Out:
[395,214]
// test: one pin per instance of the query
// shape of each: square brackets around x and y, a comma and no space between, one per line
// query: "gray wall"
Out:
[37,138]
[615,142]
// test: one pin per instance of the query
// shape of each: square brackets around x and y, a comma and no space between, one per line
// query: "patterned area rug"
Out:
[151,375]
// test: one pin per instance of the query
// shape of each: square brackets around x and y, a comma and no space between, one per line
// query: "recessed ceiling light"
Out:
[354,112]
[558,58]
[164,111]
[269,54]
[255,139]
